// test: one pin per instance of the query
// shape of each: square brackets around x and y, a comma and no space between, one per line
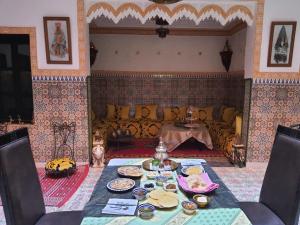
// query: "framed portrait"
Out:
[58,40]
[281,43]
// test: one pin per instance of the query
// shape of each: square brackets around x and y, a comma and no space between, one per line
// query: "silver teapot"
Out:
[161,151]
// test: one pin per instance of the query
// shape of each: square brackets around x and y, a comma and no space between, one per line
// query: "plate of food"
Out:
[130,171]
[192,170]
[197,184]
[162,199]
[120,184]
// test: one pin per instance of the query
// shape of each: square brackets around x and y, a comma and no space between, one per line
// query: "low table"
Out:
[223,209]
[173,136]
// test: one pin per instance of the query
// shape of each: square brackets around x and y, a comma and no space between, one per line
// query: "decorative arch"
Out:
[195,11]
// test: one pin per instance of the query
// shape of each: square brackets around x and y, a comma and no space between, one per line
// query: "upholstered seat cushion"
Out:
[259,214]
[61,218]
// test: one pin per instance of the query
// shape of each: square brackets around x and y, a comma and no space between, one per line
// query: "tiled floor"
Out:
[245,184]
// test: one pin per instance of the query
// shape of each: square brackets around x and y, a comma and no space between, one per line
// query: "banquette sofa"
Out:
[146,123]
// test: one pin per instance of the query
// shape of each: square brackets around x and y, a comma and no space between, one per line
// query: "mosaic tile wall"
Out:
[272,104]
[58,100]
[166,90]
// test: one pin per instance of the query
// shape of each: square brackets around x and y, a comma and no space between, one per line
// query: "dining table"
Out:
[223,208]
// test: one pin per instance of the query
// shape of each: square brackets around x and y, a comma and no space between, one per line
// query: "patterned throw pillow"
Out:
[146,112]
[205,114]
[228,114]
[117,112]
[111,111]
[122,112]
[174,113]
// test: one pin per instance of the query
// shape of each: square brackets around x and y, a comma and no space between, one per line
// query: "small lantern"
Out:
[226,55]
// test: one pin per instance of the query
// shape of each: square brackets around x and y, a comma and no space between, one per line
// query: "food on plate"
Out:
[160,180]
[146,211]
[155,164]
[193,170]
[189,207]
[201,200]
[131,171]
[168,174]
[139,193]
[120,184]
[152,174]
[149,186]
[163,199]
[196,183]
[167,162]
[171,186]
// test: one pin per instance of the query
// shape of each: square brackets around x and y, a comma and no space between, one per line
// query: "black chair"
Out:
[279,202]
[20,187]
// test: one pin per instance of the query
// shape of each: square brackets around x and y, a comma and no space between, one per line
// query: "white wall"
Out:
[249,51]
[238,42]
[29,13]
[278,10]
[151,53]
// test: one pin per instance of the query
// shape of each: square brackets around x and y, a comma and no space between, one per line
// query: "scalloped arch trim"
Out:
[170,14]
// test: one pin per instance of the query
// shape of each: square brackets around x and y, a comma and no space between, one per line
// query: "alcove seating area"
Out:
[141,104]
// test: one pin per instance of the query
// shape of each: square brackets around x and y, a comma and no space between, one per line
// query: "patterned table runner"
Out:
[219,216]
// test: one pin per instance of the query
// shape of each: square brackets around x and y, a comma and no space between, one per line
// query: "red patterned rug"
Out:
[57,192]
[144,148]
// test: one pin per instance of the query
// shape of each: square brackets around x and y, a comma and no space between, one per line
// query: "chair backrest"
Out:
[20,186]
[281,186]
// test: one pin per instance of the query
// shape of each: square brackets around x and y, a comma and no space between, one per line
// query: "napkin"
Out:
[192,162]
[119,206]
[210,185]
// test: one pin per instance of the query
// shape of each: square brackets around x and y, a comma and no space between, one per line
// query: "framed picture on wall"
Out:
[281,43]
[58,40]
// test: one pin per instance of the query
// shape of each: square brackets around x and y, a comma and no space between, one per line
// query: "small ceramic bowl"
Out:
[170,187]
[146,211]
[160,180]
[201,200]
[168,174]
[189,207]
[139,193]
[149,186]
[152,174]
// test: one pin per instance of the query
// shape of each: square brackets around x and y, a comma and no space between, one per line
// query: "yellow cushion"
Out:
[228,114]
[146,112]
[205,114]
[122,112]
[111,111]
[174,113]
